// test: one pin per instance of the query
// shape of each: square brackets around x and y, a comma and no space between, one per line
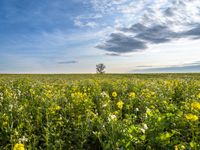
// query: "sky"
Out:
[72,36]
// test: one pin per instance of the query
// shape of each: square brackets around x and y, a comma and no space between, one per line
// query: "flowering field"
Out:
[94,112]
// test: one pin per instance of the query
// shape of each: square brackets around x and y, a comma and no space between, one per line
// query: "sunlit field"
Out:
[94,112]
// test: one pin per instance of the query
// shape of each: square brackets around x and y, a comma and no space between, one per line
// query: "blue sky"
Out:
[72,36]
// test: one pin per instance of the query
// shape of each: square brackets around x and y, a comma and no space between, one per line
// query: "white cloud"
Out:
[87,20]
[147,11]
[105,6]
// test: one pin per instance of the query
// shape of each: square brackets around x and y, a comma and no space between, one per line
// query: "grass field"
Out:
[94,112]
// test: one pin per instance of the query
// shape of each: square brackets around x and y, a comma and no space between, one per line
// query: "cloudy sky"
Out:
[72,36]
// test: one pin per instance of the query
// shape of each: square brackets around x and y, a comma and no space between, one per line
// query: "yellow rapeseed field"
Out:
[94,112]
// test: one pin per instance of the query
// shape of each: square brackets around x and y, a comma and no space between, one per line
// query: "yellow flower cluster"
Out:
[78,95]
[195,105]
[19,147]
[191,117]
[120,104]
[48,94]
[182,147]
[55,108]
[114,94]
[147,93]
[132,95]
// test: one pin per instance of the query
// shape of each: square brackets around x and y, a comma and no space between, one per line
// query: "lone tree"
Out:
[100,68]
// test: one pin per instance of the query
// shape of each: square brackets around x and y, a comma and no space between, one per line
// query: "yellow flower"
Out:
[152,93]
[57,107]
[78,95]
[195,105]
[19,147]
[120,104]
[176,147]
[198,95]
[182,147]
[114,94]
[191,117]
[54,109]
[148,94]
[132,95]
[48,94]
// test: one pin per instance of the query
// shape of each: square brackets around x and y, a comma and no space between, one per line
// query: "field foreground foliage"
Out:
[141,112]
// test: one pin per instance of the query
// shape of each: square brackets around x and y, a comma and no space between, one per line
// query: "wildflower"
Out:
[195,105]
[182,147]
[48,94]
[165,102]
[149,112]
[176,147]
[23,139]
[145,126]
[137,109]
[198,95]
[142,130]
[132,95]
[78,95]
[120,104]
[152,93]
[57,107]
[104,94]
[19,147]
[112,118]
[104,105]
[191,117]
[54,109]
[114,94]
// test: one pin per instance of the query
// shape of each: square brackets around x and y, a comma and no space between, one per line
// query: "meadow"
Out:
[100,112]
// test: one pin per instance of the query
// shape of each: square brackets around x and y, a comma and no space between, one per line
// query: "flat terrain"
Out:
[89,111]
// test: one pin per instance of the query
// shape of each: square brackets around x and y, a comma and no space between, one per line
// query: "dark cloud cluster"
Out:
[140,36]
[68,62]
[121,43]
[156,34]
